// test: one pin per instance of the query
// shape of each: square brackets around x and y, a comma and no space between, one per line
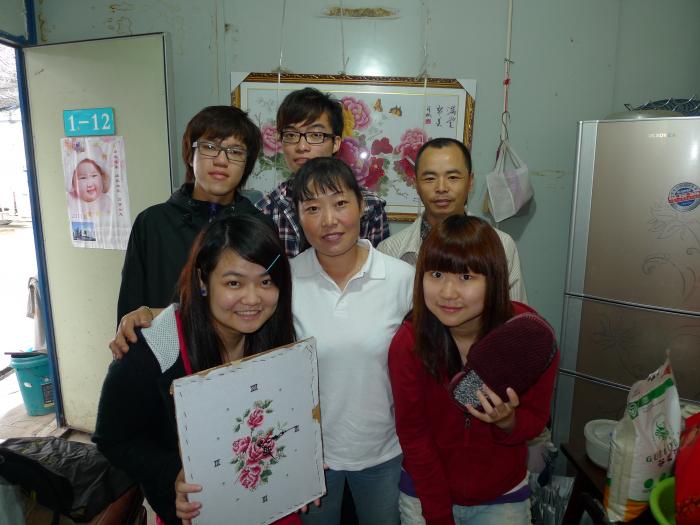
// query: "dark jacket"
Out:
[136,428]
[159,245]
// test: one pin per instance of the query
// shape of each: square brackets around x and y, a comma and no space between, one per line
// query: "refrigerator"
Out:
[632,288]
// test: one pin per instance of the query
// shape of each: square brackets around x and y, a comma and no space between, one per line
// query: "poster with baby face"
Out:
[97,195]
[250,435]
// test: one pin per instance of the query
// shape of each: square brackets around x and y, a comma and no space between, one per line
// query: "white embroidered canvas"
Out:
[250,434]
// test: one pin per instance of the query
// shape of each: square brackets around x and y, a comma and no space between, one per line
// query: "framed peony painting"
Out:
[387,119]
[250,434]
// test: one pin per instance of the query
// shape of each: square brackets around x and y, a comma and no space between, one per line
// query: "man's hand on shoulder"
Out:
[126,331]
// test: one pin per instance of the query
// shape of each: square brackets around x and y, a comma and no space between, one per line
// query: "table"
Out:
[587,492]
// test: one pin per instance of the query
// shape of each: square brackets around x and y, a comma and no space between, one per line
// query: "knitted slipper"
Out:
[513,355]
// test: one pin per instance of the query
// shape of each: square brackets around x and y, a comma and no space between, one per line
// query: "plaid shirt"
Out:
[279,206]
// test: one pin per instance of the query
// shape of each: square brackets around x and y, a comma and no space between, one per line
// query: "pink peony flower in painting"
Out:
[256,417]
[360,111]
[381,146]
[411,141]
[375,173]
[250,476]
[271,144]
[356,156]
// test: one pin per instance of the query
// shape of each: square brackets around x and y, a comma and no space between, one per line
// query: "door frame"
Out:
[20,42]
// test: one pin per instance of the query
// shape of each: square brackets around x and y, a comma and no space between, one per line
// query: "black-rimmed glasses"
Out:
[311,137]
[208,149]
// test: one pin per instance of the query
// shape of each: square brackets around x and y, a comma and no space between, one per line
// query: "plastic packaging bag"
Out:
[508,184]
[644,444]
[68,477]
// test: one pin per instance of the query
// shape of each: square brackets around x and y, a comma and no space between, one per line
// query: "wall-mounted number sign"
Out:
[87,122]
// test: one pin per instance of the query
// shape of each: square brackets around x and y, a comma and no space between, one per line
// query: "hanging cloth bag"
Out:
[508,185]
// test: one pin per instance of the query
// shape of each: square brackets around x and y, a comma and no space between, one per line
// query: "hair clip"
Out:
[267,270]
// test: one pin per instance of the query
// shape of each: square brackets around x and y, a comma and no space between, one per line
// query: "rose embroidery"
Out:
[375,173]
[263,448]
[256,452]
[250,476]
[270,156]
[270,140]
[381,156]
[411,141]
[356,156]
[381,146]
[359,110]
[255,418]
[240,446]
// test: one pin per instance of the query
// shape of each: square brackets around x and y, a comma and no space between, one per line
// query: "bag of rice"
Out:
[644,444]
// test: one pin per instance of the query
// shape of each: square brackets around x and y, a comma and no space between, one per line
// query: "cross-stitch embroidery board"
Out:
[250,434]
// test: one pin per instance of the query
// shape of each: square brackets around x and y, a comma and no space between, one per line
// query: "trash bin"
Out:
[35,382]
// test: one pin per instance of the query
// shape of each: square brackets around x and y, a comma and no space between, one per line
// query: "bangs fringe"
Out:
[458,256]
[322,183]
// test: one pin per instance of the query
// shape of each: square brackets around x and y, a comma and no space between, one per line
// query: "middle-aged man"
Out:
[310,124]
[443,181]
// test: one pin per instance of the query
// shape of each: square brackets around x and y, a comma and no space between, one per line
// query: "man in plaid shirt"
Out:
[310,125]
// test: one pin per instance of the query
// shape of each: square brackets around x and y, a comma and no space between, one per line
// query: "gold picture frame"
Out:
[387,119]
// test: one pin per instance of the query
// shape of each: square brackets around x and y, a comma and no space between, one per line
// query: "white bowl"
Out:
[598,434]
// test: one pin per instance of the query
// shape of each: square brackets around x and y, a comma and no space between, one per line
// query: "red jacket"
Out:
[451,463]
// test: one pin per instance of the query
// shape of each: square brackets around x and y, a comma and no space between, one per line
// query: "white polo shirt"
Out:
[353,329]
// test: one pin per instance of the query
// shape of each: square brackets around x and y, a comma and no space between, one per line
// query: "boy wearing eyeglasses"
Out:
[219,148]
[310,125]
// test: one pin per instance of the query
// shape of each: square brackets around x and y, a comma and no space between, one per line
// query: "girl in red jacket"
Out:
[467,461]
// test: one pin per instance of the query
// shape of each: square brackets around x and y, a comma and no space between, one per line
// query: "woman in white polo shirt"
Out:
[352,299]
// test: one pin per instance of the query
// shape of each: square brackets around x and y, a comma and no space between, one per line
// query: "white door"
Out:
[128,75]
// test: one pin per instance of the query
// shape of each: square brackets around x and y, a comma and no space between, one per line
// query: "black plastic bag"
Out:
[68,477]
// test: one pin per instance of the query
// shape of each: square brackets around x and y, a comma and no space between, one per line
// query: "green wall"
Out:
[12,18]
[573,61]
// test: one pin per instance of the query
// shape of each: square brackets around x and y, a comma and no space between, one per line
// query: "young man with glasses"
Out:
[219,148]
[310,125]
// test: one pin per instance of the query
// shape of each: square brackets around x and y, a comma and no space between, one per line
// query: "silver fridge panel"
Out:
[622,344]
[612,346]
[628,243]
[578,401]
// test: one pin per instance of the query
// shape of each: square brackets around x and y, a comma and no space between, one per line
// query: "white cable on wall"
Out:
[279,79]
[505,116]
[424,74]
[344,61]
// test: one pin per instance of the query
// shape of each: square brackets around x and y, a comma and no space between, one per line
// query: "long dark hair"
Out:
[255,241]
[459,244]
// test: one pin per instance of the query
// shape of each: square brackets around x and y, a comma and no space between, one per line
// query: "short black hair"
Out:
[325,174]
[443,142]
[308,104]
[221,122]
